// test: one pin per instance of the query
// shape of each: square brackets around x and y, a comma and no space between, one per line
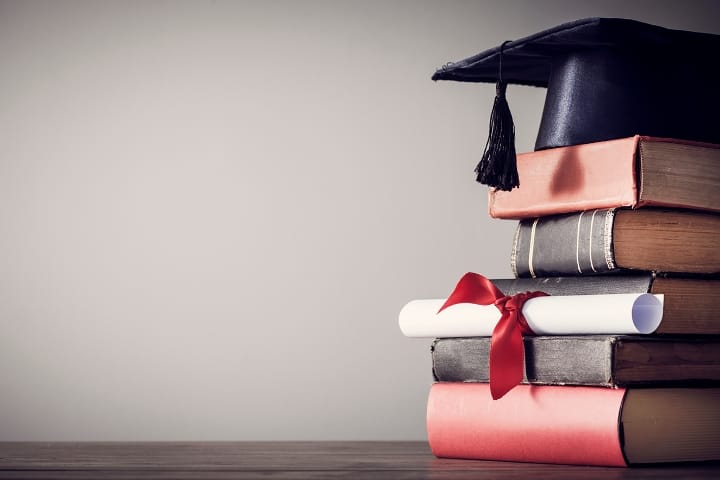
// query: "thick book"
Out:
[609,240]
[593,360]
[630,172]
[691,305]
[574,425]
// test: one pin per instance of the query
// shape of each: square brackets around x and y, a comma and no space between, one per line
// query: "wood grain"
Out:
[289,460]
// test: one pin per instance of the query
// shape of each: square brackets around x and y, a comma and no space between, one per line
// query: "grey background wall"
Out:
[212,212]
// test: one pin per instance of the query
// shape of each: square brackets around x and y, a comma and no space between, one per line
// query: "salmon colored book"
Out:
[574,425]
[630,172]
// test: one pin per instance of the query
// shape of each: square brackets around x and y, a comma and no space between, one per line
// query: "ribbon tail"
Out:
[507,356]
[473,288]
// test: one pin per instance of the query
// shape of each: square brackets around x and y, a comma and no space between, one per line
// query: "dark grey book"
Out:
[600,360]
[611,240]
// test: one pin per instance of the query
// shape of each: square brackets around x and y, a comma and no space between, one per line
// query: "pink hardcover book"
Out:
[574,424]
[629,172]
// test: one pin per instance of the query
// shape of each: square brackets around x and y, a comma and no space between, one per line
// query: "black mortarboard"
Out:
[606,78]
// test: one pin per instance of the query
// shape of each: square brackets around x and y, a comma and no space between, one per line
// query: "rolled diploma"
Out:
[608,314]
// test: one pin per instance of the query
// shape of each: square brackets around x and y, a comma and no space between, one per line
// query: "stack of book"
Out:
[637,215]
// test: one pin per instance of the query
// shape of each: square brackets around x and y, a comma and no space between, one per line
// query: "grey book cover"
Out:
[587,285]
[601,360]
[578,243]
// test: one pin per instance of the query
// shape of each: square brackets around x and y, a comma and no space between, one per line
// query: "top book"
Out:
[630,172]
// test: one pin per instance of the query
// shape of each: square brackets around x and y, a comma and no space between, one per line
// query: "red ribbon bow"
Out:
[507,354]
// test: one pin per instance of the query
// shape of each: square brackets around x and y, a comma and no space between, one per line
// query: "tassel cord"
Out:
[498,166]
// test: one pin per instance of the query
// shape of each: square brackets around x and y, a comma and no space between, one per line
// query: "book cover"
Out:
[597,360]
[574,425]
[629,172]
[610,240]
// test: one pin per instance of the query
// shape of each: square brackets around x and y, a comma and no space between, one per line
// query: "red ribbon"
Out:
[507,354]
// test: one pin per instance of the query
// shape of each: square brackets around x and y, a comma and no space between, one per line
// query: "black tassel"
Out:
[498,166]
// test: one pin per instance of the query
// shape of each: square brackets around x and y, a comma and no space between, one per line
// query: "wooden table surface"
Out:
[290,460]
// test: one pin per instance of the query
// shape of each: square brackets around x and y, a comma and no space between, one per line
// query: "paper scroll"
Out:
[608,314]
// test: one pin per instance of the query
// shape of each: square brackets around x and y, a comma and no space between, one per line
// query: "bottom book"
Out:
[574,425]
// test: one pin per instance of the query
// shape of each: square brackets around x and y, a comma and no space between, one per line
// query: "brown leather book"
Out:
[610,240]
[629,172]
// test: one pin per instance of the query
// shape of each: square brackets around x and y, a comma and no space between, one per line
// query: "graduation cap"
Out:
[606,78]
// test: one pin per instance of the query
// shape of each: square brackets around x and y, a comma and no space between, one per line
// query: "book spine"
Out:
[553,360]
[565,425]
[572,244]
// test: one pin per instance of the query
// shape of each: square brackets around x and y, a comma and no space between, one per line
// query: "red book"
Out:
[629,172]
[574,425]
